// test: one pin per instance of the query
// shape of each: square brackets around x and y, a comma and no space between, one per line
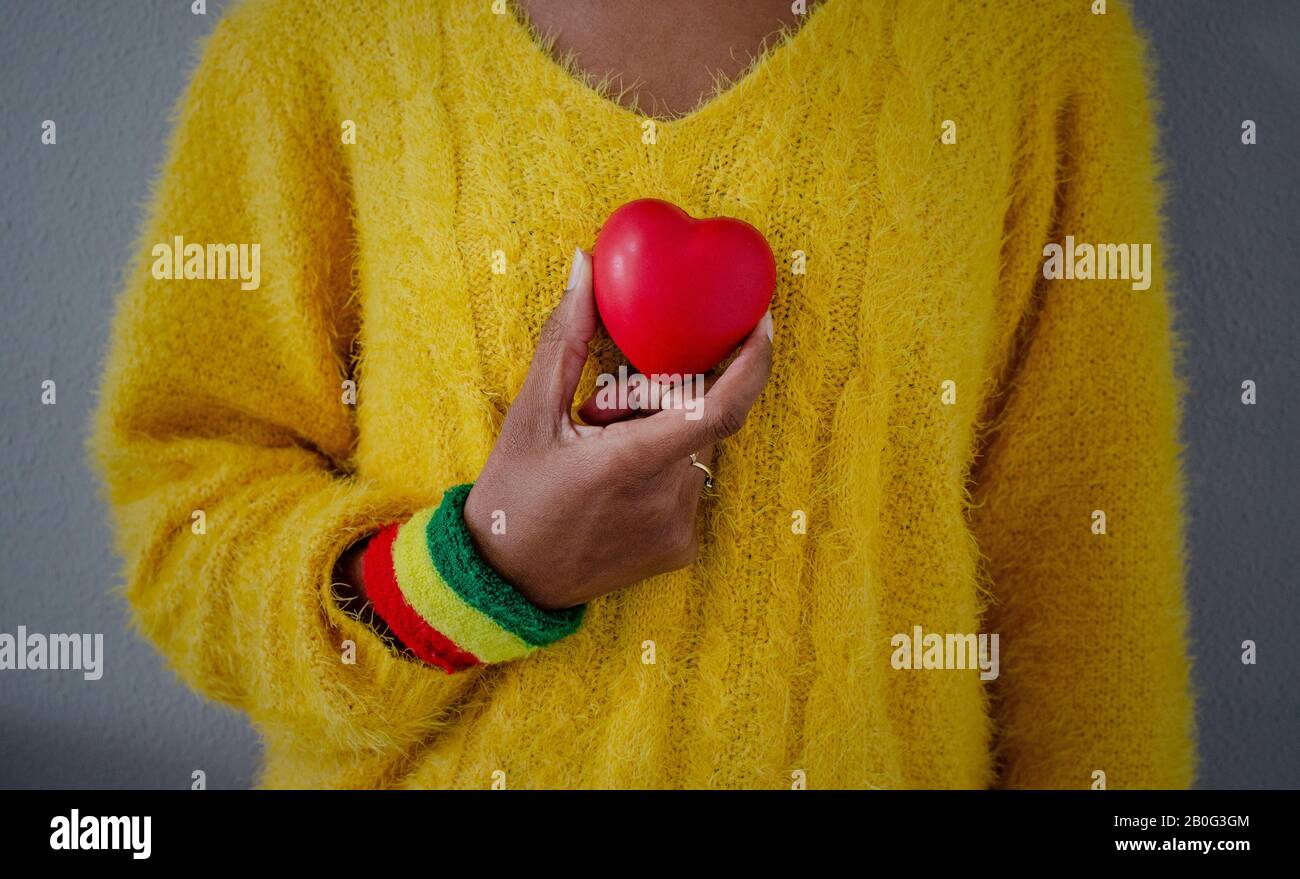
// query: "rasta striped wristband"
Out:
[429,584]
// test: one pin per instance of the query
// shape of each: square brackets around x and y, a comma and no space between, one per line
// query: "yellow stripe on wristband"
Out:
[438,603]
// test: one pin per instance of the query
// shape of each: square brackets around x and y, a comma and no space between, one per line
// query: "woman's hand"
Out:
[566,512]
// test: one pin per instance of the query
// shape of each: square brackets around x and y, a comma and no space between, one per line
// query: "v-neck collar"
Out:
[523,40]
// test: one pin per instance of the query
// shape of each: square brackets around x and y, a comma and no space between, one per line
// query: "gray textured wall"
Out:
[109,74]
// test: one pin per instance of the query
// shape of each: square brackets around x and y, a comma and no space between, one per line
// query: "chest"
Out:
[887,269]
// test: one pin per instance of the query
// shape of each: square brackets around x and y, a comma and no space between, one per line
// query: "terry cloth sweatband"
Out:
[426,642]
[464,611]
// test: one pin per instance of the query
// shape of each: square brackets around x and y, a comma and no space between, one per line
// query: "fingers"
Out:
[600,411]
[673,433]
[562,347]
[593,412]
[686,393]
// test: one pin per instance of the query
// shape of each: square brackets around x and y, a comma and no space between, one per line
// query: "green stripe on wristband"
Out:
[452,551]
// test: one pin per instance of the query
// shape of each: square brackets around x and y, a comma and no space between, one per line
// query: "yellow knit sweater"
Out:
[974,448]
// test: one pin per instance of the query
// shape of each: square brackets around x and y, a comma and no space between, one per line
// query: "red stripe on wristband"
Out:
[411,629]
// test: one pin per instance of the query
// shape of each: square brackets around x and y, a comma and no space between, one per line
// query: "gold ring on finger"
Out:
[708,474]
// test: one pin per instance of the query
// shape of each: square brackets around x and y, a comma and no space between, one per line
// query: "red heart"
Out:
[679,294]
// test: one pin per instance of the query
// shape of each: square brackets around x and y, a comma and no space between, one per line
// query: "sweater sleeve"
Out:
[1078,501]
[224,432]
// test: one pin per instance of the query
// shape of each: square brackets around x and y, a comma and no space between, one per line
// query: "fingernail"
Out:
[767,324]
[574,269]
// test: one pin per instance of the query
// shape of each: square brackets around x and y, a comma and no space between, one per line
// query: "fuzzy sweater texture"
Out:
[767,663]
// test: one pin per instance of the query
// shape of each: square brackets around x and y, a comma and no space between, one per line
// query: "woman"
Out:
[950,443]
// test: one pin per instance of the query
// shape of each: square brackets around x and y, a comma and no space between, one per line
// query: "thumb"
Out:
[562,346]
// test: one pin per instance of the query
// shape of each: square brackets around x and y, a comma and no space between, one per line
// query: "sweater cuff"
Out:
[444,602]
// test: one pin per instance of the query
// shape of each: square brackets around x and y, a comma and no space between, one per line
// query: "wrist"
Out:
[494,548]
[445,601]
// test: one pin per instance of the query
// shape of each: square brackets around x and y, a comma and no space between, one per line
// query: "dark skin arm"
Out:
[349,581]
[565,487]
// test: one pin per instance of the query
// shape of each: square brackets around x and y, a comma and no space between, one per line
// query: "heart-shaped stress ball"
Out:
[679,294]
